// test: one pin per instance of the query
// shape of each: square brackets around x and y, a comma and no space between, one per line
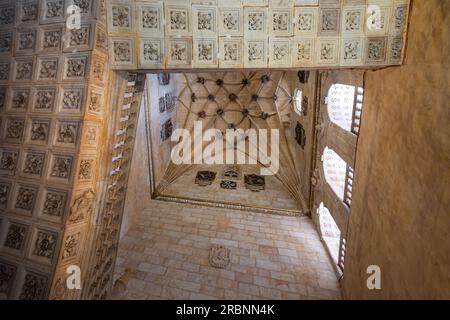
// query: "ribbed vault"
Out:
[239,101]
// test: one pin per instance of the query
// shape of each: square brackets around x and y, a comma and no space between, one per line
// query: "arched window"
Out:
[335,169]
[331,234]
[341,100]
[297,99]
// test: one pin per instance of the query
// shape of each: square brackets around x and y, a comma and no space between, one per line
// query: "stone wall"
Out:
[52,80]
[399,218]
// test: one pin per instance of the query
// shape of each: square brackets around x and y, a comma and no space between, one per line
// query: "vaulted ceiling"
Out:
[239,100]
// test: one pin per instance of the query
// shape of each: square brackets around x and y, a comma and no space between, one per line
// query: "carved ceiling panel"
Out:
[174,34]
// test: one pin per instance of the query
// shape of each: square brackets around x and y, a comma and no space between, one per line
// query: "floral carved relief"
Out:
[44,99]
[72,99]
[79,37]
[27,40]
[8,161]
[76,67]
[376,50]
[28,12]
[45,244]
[20,99]
[67,133]
[121,16]
[51,39]
[255,21]
[33,164]
[178,52]
[6,39]
[53,204]
[7,15]
[231,20]
[231,52]
[280,21]
[25,198]
[15,237]
[205,51]
[353,21]
[24,70]
[152,51]
[34,287]
[4,194]
[178,20]
[205,21]
[71,244]
[14,129]
[4,71]
[150,18]
[330,20]
[95,102]
[122,51]
[7,275]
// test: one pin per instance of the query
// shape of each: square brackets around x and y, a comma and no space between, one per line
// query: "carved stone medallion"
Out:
[205,178]
[254,182]
[219,257]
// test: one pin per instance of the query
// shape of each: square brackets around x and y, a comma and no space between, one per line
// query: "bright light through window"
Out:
[298,101]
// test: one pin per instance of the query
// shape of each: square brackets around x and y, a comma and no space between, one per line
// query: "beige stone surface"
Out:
[272,257]
[400,210]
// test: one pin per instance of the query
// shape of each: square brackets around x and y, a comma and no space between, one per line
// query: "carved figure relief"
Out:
[330,20]
[219,257]
[205,21]
[82,207]
[304,51]
[205,51]
[39,131]
[179,52]
[54,9]
[61,167]
[351,50]
[305,21]
[231,51]
[95,102]
[255,52]
[98,70]
[67,133]
[255,21]
[353,21]
[85,170]
[48,69]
